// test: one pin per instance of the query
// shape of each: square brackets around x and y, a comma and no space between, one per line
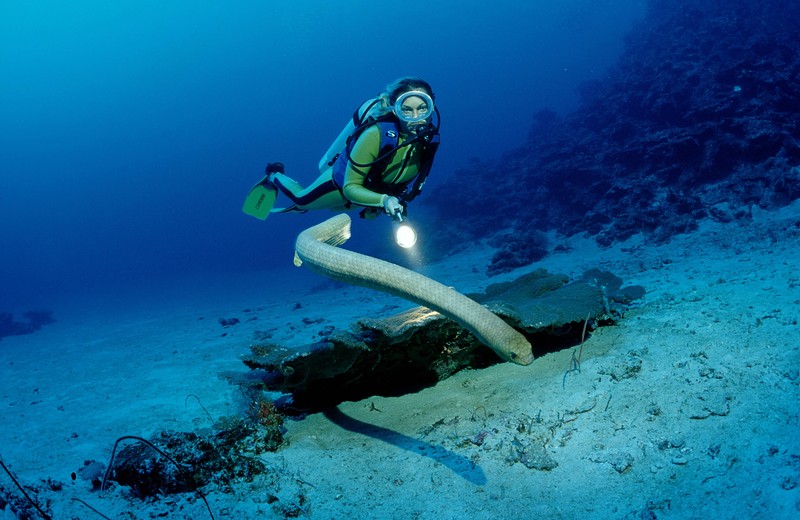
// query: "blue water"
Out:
[131,131]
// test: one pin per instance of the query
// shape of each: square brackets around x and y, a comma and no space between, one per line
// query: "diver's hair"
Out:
[394,89]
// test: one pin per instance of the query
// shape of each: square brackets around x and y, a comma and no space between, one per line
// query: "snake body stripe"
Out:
[316,247]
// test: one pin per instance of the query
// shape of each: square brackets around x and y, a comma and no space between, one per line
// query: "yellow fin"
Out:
[260,200]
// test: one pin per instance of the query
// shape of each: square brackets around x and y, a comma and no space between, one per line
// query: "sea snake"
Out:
[316,247]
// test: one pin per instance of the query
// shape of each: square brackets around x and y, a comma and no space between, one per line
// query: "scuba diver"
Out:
[379,162]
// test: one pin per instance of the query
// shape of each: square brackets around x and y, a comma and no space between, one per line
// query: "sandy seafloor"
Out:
[687,408]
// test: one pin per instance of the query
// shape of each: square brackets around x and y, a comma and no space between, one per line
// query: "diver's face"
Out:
[413,107]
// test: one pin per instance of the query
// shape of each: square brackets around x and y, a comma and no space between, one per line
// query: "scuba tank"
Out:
[359,116]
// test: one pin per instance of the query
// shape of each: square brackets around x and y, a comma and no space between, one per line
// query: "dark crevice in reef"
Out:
[404,369]
[417,348]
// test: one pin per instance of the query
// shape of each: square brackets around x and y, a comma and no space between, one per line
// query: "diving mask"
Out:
[413,106]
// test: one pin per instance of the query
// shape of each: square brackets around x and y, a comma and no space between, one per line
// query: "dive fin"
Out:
[260,200]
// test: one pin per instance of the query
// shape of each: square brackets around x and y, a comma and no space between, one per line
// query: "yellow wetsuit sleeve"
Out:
[365,151]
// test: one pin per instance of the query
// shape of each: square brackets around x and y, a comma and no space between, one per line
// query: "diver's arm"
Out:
[365,151]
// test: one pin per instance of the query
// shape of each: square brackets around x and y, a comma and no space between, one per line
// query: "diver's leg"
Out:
[321,194]
[286,184]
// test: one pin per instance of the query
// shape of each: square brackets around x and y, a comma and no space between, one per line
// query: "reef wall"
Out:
[698,119]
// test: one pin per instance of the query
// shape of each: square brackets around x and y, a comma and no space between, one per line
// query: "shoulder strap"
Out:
[429,152]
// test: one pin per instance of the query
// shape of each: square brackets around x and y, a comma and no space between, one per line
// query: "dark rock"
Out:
[419,347]
[517,251]
[228,322]
[34,320]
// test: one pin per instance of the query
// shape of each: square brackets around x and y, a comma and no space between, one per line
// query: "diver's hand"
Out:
[391,205]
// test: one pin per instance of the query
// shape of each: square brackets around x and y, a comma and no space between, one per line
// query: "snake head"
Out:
[519,351]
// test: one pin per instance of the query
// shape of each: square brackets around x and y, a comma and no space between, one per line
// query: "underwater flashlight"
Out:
[404,234]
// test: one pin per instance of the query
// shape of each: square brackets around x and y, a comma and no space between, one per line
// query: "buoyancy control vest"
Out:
[338,155]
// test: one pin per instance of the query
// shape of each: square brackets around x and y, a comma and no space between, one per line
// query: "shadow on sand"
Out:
[461,466]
